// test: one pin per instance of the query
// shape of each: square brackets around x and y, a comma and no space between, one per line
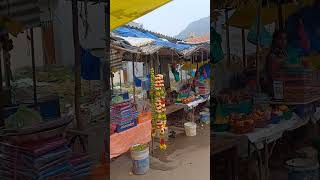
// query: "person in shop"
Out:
[275,58]
[198,80]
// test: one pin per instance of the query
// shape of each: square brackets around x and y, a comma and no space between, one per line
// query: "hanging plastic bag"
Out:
[294,55]
[265,36]
[216,49]
[175,73]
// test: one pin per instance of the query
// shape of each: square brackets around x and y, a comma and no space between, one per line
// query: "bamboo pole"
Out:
[258,45]
[35,99]
[77,63]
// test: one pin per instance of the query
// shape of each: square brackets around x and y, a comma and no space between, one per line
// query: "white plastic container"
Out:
[190,128]
[140,161]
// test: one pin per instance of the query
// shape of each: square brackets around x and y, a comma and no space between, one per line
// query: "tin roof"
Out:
[199,39]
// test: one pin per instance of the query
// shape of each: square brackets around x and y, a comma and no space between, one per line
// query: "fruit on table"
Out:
[283,108]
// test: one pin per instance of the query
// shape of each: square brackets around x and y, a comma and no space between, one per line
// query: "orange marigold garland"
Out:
[159,118]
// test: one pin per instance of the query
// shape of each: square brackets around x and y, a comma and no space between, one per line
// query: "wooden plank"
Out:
[315,99]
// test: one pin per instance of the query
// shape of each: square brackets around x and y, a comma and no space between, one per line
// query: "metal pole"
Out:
[77,63]
[33,70]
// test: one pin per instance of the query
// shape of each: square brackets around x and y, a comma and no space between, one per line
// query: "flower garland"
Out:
[159,118]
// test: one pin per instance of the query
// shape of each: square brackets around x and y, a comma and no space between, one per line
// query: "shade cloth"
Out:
[122,142]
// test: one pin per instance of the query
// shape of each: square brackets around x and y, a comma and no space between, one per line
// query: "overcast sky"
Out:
[175,16]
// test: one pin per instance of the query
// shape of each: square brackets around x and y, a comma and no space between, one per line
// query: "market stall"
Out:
[41,99]
[140,46]
[248,108]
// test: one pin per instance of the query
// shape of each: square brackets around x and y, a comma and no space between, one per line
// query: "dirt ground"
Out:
[187,158]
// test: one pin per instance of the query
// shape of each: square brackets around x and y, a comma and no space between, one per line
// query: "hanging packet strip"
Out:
[265,37]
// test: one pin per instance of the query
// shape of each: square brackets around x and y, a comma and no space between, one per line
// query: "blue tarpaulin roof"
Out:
[132,32]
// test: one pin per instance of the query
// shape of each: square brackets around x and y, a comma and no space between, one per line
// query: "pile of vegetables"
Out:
[139,147]
[116,99]
[24,117]
[159,118]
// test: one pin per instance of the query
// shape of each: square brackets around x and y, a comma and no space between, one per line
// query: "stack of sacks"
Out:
[80,166]
[38,160]
[123,113]
[300,85]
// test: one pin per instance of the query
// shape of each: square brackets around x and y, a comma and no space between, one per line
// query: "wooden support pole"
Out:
[1,90]
[7,69]
[134,75]
[258,45]
[35,99]
[1,80]
[158,64]
[227,35]
[120,80]
[77,63]
[244,58]
[280,15]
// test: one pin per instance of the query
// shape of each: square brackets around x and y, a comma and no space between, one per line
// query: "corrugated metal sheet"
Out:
[199,39]
[189,52]
[26,12]
[150,49]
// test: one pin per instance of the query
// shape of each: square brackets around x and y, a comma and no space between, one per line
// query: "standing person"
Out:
[276,57]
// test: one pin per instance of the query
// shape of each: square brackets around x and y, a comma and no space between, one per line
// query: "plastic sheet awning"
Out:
[123,12]
[244,16]
[133,32]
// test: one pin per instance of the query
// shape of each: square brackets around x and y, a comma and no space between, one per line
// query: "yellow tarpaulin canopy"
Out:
[125,11]
[244,16]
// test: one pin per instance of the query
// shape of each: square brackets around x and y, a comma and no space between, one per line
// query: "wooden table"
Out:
[174,108]
[229,146]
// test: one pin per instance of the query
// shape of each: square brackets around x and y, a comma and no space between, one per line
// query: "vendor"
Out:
[197,80]
[276,56]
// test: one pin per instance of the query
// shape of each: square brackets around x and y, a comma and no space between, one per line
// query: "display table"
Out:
[174,108]
[260,138]
[229,146]
[121,142]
